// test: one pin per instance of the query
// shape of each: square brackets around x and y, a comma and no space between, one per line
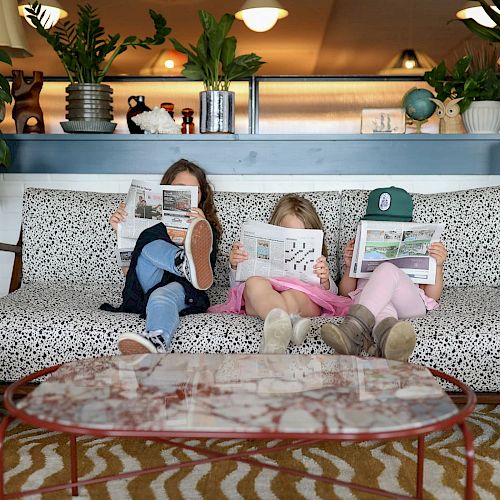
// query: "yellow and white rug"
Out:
[36,458]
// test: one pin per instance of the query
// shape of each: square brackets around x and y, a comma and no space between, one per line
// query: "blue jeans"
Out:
[166,302]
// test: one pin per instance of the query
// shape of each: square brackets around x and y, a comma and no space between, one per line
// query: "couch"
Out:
[69,269]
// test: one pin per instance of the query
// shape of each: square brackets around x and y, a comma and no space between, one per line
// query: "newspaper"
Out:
[277,252]
[404,244]
[148,204]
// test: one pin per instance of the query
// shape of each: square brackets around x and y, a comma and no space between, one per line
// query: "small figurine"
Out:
[187,126]
[450,118]
[26,94]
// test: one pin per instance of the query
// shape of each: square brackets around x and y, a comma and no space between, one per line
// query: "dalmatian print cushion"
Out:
[67,237]
[44,325]
[471,235]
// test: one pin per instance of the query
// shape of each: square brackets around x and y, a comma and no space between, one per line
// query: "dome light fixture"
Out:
[408,62]
[471,10]
[166,62]
[261,15]
[50,13]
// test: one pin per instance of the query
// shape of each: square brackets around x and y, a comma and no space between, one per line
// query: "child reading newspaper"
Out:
[284,295]
[386,296]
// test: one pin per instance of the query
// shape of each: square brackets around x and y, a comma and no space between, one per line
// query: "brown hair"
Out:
[207,192]
[291,204]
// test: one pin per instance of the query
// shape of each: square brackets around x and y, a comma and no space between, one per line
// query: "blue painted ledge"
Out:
[347,154]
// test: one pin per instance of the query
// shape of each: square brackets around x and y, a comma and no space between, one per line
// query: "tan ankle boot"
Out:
[348,337]
[395,339]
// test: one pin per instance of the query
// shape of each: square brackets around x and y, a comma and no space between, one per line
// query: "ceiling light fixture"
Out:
[50,13]
[471,10]
[167,62]
[261,15]
[12,38]
[408,62]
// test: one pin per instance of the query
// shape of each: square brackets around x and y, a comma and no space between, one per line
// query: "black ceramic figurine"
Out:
[140,107]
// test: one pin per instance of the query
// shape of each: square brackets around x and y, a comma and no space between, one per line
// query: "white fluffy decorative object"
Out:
[157,121]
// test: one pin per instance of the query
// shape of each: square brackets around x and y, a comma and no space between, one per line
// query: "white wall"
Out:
[13,185]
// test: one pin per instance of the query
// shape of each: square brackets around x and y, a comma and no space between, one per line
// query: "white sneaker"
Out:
[301,328]
[134,343]
[277,332]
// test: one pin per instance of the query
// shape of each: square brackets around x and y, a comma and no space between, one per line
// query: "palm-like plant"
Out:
[5,97]
[489,34]
[83,47]
[213,60]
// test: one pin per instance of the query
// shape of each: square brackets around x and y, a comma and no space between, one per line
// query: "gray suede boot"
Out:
[395,339]
[352,333]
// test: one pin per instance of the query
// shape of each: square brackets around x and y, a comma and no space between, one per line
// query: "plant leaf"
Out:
[489,34]
[5,158]
[228,53]
[5,58]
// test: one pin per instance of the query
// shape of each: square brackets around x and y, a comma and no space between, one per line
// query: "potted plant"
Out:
[83,49]
[475,80]
[213,61]
[5,97]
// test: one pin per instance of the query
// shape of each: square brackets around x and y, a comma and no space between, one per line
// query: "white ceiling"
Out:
[328,37]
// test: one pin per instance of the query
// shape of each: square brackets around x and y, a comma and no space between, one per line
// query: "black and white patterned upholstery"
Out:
[54,317]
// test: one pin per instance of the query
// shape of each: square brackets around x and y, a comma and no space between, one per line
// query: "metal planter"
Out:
[217,112]
[89,108]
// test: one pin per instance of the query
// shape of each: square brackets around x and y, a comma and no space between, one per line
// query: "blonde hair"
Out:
[292,204]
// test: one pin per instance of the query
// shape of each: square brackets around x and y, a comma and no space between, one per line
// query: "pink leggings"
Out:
[390,293]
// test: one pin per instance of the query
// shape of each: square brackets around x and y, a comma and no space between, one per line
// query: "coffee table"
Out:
[303,398]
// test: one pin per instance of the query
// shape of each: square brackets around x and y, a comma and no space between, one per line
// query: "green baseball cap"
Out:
[390,203]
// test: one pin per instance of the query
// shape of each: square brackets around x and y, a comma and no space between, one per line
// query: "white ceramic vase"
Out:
[482,117]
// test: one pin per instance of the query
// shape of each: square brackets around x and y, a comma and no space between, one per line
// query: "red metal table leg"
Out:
[3,429]
[420,466]
[469,461]
[74,464]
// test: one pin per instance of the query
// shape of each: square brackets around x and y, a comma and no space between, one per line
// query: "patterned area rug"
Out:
[36,458]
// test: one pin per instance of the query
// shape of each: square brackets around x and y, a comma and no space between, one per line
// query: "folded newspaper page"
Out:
[404,244]
[148,203]
[277,252]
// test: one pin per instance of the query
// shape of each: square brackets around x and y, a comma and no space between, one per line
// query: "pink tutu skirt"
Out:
[331,304]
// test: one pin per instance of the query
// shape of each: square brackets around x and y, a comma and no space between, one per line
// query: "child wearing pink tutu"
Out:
[286,304]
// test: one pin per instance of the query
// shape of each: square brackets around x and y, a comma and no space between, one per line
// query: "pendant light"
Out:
[408,62]
[471,10]
[50,12]
[261,15]
[12,38]
[167,62]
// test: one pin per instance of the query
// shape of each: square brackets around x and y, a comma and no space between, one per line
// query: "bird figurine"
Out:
[449,114]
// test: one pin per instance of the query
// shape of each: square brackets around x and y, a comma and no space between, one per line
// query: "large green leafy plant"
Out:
[5,97]
[474,78]
[213,60]
[83,47]
[489,34]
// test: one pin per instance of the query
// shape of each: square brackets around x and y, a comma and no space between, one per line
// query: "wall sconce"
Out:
[12,38]
[473,10]
[51,12]
[261,15]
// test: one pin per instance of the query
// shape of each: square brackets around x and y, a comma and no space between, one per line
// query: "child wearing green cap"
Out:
[381,302]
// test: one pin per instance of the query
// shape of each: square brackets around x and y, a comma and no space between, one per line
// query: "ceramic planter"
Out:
[89,108]
[217,112]
[482,117]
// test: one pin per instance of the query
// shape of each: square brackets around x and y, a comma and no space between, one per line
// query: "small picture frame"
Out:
[383,121]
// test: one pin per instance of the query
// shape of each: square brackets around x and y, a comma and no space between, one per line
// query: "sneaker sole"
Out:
[133,346]
[300,331]
[198,248]
[400,342]
[334,337]
[276,336]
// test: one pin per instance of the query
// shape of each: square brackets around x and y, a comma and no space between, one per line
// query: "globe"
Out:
[418,105]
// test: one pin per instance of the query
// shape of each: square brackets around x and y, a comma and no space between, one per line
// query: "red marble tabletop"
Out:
[240,393]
